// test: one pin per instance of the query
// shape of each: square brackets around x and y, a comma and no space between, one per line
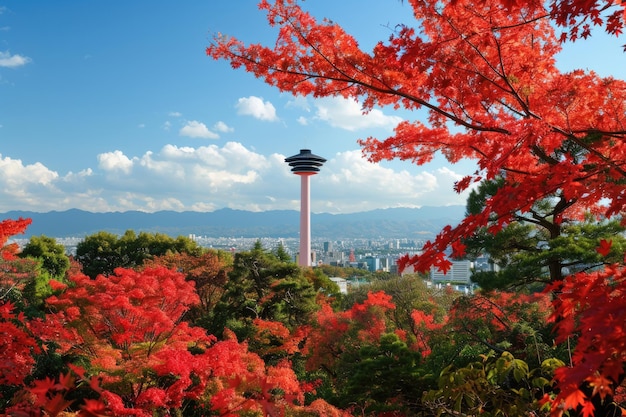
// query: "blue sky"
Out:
[114,106]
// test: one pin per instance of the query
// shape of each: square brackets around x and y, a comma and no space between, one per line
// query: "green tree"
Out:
[282,254]
[52,255]
[262,286]
[381,376]
[493,386]
[540,246]
[321,281]
[99,254]
[102,252]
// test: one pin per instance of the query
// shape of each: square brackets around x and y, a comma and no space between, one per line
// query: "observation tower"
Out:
[305,164]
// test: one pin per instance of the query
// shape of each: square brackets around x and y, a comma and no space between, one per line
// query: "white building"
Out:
[459,273]
[342,283]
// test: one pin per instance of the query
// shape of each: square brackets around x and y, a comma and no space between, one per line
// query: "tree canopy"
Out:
[537,248]
[102,252]
[485,72]
[52,255]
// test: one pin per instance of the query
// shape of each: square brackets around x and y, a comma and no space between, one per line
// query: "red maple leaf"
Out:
[605,247]
[41,386]
[458,249]
[576,398]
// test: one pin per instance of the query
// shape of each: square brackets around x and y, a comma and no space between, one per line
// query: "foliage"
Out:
[579,16]
[8,228]
[17,347]
[282,254]
[123,325]
[262,286]
[380,377]
[102,252]
[485,72]
[53,397]
[321,281]
[372,366]
[503,322]
[494,386]
[208,271]
[343,272]
[52,255]
[589,307]
[409,293]
[128,329]
[19,280]
[12,271]
[540,246]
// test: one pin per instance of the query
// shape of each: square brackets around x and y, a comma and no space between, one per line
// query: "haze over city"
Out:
[115,107]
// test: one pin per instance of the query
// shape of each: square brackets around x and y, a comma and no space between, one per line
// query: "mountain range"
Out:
[411,223]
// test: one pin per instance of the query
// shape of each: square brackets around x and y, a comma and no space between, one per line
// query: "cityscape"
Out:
[377,255]
[371,254]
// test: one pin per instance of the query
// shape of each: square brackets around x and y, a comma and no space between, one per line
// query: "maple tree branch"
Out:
[543,156]
[346,78]
[507,81]
[501,74]
[600,155]
[579,142]
[388,90]
[520,24]
[618,134]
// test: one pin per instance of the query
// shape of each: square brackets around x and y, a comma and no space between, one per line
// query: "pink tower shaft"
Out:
[305,219]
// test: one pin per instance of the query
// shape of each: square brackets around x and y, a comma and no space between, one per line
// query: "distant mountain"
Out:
[389,223]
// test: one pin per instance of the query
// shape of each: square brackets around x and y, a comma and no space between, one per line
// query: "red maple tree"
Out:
[138,354]
[208,271]
[17,345]
[485,72]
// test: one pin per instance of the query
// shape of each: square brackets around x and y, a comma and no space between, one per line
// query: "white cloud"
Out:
[299,102]
[12,61]
[222,127]
[350,183]
[347,114]
[30,186]
[195,129]
[181,170]
[257,108]
[14,174]
[211,177]
[175,114]
[115,161]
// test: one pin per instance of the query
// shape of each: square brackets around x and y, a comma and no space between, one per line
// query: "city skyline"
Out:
[115,107]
